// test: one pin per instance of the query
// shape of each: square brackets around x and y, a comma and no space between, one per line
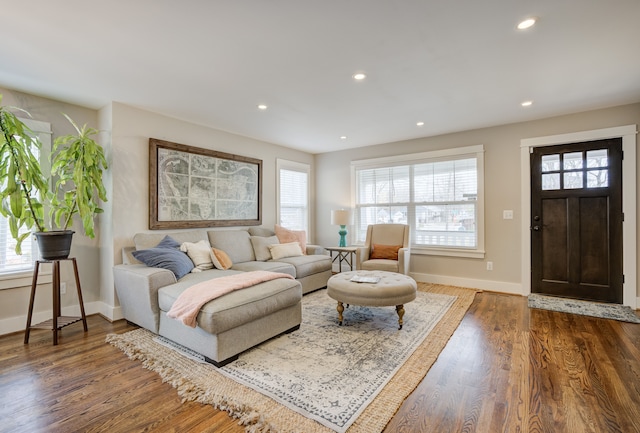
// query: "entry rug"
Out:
[323,377]
[585,308]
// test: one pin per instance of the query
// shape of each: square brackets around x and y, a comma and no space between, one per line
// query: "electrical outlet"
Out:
[489,266]
[63,288]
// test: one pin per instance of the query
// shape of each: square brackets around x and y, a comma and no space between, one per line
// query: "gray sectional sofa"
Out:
[237,321]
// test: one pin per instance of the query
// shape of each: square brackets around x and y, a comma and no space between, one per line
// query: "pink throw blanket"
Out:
[188,304]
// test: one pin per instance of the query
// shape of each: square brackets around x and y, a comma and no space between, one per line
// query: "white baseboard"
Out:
[489,286]
[18,323]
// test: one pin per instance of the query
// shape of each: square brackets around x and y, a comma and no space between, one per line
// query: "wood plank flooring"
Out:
[506,369]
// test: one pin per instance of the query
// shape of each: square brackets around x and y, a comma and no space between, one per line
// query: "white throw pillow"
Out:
[199,253]
[280,251]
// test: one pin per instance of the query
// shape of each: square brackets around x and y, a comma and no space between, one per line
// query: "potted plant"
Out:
[77,163]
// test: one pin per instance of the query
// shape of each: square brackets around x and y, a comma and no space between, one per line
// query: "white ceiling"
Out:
[453,64]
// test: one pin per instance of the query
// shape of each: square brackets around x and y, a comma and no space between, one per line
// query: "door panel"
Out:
[594,245]
[554,238]
[576,220]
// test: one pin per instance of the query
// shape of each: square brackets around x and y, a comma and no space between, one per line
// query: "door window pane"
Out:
[597,178]
[550,163]
[573,180]
[597,158]
[550,181]
[572,161]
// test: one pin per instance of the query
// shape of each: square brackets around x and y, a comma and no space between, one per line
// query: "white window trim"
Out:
[444,154]
[284,164]
[24,278]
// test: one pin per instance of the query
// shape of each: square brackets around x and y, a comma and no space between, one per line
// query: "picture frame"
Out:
[193,187]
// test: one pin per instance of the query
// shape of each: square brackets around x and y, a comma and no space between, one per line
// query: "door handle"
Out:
[536,228]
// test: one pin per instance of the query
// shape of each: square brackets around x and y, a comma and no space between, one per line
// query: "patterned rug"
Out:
[323,377]
[584,308]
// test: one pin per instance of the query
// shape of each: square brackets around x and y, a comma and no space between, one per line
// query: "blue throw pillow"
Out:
[166,255]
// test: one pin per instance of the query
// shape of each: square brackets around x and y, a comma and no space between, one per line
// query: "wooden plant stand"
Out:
[58,321]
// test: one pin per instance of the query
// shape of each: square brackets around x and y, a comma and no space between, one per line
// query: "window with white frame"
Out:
[440,194]
[293,195]
[10,262]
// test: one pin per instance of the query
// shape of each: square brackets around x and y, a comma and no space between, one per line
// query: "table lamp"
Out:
[341,218]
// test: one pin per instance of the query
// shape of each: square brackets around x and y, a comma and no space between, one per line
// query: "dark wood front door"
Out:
[576,220]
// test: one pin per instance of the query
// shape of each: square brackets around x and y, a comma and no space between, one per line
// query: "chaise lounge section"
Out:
[237,321]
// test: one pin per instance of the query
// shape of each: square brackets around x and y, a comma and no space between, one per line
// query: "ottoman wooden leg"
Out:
[400,311]
[340,309]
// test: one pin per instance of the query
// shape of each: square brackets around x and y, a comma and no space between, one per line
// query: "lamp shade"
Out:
[340,217]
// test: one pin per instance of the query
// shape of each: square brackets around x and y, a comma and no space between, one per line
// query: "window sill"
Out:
[447,252]
[23,279]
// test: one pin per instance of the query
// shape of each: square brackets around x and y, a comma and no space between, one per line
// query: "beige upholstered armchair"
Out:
[386,248]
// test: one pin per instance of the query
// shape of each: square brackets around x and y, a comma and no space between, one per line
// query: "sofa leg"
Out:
[221,363]
[289,331]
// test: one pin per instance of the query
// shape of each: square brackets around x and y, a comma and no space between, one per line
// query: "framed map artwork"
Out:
[194,187]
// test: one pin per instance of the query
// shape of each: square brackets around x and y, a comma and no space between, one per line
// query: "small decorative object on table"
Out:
[341,218]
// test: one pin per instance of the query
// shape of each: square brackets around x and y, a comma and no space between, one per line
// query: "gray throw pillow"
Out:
[166,255]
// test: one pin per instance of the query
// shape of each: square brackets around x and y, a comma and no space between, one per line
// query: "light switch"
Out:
[507,214]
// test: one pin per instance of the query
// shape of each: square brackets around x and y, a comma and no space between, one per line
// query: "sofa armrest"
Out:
[137,288]
[315,250]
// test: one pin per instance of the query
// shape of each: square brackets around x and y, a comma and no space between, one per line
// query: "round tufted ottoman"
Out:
[391,289]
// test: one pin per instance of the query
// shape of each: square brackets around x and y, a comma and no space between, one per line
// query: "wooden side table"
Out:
[58,321]
[343,254]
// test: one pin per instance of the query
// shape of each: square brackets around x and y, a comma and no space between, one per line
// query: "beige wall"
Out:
[502,191]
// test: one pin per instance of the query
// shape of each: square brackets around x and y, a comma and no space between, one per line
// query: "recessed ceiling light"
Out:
[420,123]
[359,76]
[529,22]
[262,107]
[527,103]
[343,137]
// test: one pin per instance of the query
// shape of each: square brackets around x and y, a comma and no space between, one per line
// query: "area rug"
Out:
[584,308]
[323,377]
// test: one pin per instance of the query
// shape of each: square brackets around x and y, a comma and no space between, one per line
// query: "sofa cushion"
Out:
[239,307]
[235,243]
[149,240]
[308,265]
[261,231]
[285,268]
[261,246]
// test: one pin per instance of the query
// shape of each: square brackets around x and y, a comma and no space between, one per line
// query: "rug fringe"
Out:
[188,391]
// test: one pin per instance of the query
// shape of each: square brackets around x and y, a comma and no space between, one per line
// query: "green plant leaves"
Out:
[21,180]
[78,162]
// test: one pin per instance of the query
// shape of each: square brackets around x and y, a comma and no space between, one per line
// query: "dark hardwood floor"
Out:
[506,369]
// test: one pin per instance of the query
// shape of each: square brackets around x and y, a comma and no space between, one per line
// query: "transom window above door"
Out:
[575,170]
